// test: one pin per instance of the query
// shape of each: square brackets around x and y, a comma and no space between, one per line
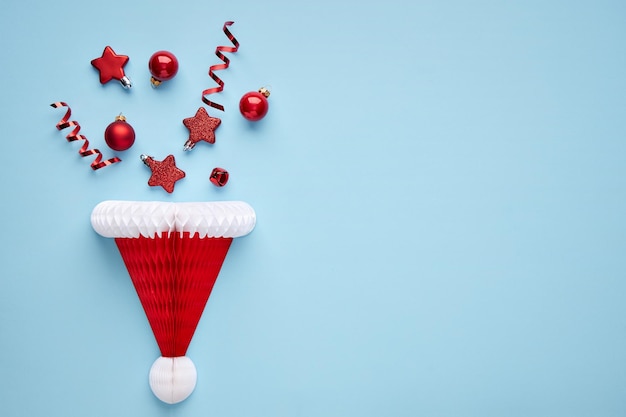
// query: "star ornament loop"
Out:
[201,127]
[164,173]
[111,66]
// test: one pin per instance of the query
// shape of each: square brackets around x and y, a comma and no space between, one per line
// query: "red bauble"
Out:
[119,135]
[163,66]
[219,177]
[253,105]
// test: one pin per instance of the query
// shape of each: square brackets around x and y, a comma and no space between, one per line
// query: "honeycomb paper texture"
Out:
[173,277]
[173,253]
[131,219]
[173,379]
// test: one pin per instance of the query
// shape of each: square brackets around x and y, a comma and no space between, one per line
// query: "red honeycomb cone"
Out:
[173,275]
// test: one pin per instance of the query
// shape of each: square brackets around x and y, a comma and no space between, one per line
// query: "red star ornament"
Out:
[164,173]
[201,127]
[111,66]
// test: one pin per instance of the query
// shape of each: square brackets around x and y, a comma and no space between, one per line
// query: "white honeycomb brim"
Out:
[131,219]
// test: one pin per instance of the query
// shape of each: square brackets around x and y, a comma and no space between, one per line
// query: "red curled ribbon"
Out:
[74,135]
[220,55]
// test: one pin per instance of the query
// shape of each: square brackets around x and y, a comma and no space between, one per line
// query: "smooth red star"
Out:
[164,173]
[111,66]
[201,127]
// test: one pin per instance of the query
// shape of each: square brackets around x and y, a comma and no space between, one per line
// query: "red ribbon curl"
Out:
[219,52]
[74,135]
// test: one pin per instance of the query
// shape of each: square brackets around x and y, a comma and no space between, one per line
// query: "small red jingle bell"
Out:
[219,177]
[254,105]
[119,135]
[163,66]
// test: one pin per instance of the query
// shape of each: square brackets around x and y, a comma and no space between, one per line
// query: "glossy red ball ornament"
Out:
[219,177]
[254,105]
[163,66]
[119,135]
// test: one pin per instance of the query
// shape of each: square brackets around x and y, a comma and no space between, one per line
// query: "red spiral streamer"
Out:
[65,122]
[219,52]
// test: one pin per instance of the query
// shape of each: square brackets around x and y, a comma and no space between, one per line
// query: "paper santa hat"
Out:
[173,253]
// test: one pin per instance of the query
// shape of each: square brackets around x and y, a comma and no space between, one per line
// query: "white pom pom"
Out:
[173,379]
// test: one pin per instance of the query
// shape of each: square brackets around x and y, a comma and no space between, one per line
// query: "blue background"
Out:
[439,188]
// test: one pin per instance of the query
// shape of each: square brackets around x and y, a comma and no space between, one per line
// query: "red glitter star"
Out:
[201,127]
[111,66]
[164,173]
